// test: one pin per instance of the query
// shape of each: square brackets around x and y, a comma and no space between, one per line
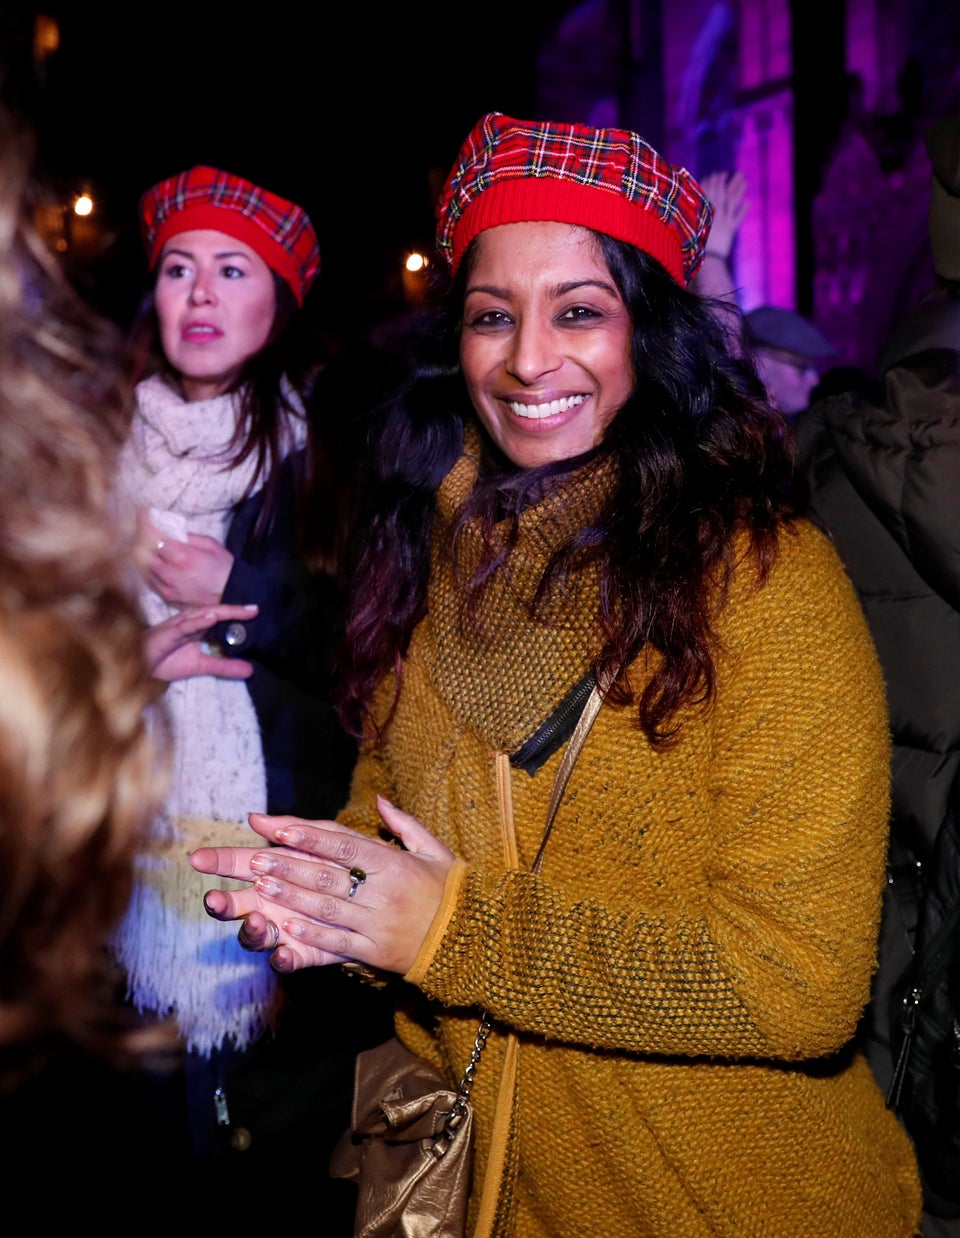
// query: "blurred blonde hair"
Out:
[79,776]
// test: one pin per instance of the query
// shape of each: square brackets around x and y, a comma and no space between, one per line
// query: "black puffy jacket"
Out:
[884,476]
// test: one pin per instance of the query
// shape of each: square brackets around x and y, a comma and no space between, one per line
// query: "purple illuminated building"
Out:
[822,111]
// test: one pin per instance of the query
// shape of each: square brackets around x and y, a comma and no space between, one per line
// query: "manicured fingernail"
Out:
[262,863]
[293,927]
[206,905]
[267,886]
[287,834]
[250,606]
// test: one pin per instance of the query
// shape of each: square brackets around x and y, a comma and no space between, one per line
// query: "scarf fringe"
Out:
[181,962]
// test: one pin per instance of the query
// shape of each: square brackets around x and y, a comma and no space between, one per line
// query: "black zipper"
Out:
[935,957]
[548,738]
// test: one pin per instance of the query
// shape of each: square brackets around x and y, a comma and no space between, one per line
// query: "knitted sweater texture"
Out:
[687,971]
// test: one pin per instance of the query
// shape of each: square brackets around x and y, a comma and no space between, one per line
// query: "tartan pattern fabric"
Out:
[204,197]
[607,179]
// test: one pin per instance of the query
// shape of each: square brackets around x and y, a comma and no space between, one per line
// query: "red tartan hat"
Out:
[611,180]
[278,230]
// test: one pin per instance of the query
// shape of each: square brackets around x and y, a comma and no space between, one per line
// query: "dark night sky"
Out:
[351,111]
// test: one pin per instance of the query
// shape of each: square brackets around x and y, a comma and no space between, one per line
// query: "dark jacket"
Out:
[885,483]
[296,1086]
[291,641]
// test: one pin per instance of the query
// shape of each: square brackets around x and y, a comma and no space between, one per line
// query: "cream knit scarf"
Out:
[176,958]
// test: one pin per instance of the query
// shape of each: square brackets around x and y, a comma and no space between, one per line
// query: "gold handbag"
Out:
[410,1149]
[410,1145]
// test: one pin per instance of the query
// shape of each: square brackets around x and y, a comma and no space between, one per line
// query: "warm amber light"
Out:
[416,262]
[46,36]
[83,205]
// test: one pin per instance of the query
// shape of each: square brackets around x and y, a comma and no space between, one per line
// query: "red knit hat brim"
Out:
[197,216]
[547,199]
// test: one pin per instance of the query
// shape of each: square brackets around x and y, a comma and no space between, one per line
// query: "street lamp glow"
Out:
[416,262]
[83,205]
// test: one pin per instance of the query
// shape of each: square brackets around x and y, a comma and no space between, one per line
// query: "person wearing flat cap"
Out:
[884,479]
[583,498]
[219,478]
[790,352]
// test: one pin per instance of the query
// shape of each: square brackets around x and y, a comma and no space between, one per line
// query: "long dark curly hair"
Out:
[699,456]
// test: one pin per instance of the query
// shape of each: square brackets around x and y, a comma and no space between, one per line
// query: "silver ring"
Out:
[276,937]
[357,878]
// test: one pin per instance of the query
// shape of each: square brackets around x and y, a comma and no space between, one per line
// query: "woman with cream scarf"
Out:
[215,472]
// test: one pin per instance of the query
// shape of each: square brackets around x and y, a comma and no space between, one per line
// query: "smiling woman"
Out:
[585,488]
[545,348]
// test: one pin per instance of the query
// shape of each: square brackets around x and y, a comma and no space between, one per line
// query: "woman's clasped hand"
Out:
[190,572]
[176,649]
[334,895]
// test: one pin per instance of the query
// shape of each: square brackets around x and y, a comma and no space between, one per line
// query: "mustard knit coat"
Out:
[685,974]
